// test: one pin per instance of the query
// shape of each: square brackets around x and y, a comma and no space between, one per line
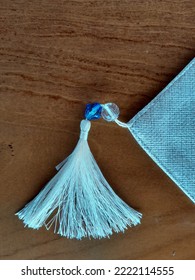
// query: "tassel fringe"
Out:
[78,201]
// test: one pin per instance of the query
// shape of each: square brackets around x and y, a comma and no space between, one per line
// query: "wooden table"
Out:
[56,56]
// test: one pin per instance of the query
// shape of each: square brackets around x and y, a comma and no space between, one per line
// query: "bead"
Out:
[110,112]
[93,111]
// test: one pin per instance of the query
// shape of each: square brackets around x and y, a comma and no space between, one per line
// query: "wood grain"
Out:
[55,57]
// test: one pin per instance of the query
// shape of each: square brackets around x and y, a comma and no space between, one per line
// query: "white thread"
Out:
[122,124]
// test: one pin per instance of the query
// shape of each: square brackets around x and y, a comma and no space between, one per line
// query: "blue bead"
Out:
[93,111]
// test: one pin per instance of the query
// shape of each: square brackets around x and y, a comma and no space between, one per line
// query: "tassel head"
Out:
[85,127]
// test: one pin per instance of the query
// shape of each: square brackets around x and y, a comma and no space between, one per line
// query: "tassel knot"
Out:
[85,127]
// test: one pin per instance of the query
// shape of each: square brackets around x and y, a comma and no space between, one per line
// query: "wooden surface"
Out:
[56,56]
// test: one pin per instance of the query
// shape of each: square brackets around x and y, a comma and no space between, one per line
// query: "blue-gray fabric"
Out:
[165,129]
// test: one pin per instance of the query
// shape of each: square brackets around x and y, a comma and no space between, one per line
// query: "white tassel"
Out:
[78,201]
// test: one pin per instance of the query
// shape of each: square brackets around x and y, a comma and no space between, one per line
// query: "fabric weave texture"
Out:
[165,129]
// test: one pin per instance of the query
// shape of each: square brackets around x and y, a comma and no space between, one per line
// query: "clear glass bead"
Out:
[110,112]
